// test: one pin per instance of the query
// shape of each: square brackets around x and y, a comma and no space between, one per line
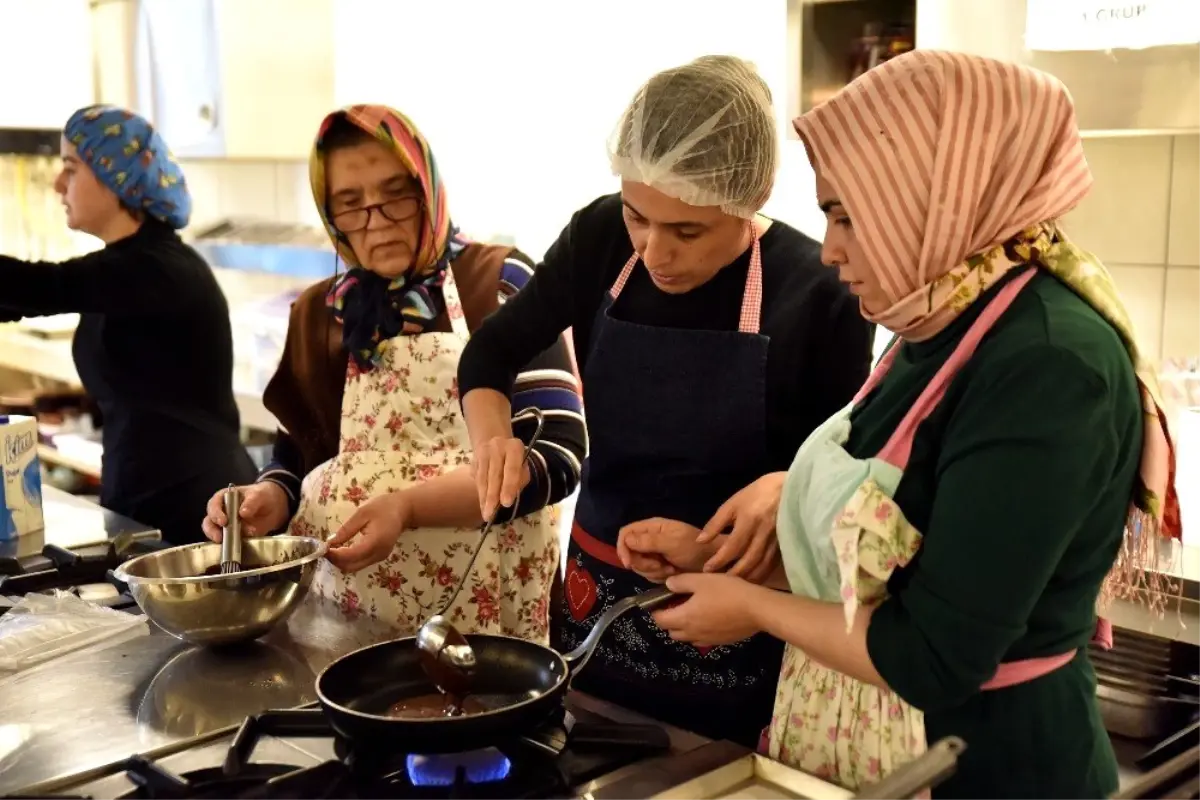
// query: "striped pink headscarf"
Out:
[940,156]
[954,169]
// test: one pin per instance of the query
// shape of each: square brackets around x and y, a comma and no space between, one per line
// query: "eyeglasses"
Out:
[402,209]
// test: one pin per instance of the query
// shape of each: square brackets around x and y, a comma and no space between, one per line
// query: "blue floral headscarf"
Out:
[130,158]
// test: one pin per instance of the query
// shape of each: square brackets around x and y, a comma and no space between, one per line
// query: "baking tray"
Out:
[752,777]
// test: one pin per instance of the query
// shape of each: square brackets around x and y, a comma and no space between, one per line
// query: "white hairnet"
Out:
[703,133]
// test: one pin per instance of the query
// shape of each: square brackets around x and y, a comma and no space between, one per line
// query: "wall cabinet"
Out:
[42,87]
[179,74]
[832,41]
[221,78]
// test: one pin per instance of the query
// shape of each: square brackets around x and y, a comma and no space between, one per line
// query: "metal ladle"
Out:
[446,656]
[449,661]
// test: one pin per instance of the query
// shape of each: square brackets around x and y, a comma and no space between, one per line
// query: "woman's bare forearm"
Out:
[819,629]
[447,501]
[488,415]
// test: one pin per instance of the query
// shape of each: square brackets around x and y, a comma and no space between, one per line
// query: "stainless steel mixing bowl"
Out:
[174,591]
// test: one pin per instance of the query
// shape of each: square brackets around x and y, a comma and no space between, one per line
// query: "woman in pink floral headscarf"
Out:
[947,536]
[373,453]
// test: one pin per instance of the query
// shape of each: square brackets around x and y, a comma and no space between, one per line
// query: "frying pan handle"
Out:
[648,601]
[925,772]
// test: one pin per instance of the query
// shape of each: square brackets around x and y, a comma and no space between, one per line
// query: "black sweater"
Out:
[820,346]
[154,349]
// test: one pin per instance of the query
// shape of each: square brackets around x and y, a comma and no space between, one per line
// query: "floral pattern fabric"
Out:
[401,425]
[840,729]
[827,723]
[871,538]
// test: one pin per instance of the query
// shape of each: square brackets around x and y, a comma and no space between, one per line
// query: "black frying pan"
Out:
[519,683]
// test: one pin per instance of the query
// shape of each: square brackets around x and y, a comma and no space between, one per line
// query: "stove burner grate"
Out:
[154,782]
[538,763]
[71,571]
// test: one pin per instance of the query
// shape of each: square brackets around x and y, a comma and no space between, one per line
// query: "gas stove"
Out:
[86,575]
[295,754]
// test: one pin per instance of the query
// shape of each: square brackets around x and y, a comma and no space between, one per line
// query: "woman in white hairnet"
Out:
[711,342]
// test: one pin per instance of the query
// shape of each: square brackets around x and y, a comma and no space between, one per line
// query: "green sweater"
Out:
[1020,481]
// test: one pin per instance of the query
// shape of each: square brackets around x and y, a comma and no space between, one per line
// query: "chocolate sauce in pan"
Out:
[435,704]
[214,570]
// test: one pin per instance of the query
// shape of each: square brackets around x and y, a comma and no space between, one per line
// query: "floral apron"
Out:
[841,537]
[401,425]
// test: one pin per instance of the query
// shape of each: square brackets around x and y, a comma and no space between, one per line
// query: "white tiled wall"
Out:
[268,190]
[548,174]
[275,191]
[1143,219]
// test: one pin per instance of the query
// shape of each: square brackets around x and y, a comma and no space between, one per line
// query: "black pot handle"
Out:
[121,585]
[647,601]
[60,556]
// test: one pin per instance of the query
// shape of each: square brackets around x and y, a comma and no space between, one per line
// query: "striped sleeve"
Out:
[548,383]
[284,468]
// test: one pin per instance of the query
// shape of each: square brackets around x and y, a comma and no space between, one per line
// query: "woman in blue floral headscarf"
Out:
[153,347]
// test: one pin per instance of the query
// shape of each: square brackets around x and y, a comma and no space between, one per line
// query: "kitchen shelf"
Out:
[49,455]
[51,359]
[30,141]
[822,38]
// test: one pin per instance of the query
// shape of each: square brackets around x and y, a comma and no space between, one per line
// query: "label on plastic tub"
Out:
[22,477]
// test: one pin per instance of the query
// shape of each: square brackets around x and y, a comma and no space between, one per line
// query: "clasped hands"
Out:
[720,605]
[658,548]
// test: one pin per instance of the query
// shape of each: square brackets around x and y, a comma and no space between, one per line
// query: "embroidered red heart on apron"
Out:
[581,591]
[702,649]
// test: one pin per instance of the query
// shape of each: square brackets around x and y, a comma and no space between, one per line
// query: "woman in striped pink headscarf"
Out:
[947,536]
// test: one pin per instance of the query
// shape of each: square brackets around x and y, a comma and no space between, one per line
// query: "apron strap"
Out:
[750,319]
[1013,673]
[876,376]
[899,446]
[454,309]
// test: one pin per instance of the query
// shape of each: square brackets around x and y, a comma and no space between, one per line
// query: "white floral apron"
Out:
[401,425]
[841,537]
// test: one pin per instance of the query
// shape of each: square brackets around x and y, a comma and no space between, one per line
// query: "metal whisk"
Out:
[231,534]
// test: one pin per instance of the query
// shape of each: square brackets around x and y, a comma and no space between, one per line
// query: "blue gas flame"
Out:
[479,766]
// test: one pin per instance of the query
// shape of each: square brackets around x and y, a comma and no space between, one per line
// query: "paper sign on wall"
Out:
[1111,24]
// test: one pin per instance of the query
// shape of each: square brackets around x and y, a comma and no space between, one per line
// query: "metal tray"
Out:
[753,777]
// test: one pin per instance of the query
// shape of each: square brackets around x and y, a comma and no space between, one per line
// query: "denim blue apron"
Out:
[677,425]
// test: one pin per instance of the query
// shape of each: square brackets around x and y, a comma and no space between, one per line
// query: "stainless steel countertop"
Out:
[110,701]
[71,523]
